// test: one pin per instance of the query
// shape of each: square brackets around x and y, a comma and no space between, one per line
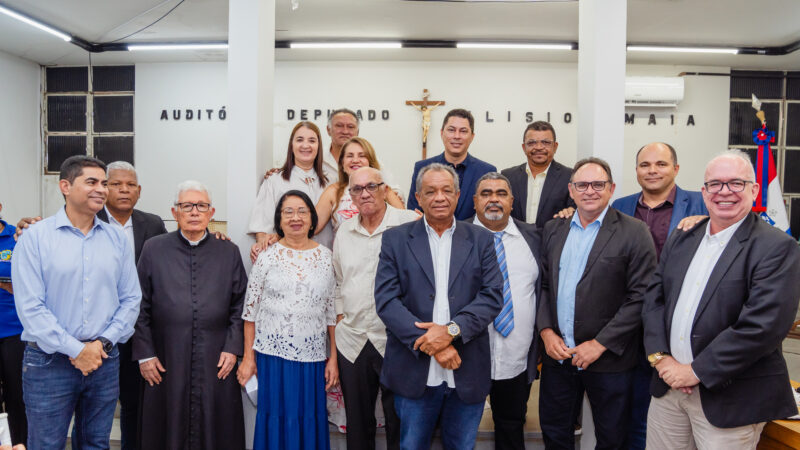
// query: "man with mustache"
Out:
[77,295]
[661,205]
[458,130]
[512,335]
[540,183]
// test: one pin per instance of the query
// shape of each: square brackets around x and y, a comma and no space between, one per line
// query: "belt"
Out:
[35,346]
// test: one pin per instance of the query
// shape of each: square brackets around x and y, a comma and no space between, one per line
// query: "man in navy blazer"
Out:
[661,205]
[438,287]
[458,130]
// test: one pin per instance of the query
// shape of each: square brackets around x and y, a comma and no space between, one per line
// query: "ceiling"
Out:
[766,23]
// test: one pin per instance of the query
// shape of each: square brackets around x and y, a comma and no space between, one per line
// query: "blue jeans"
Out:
[419,416]
[53,389]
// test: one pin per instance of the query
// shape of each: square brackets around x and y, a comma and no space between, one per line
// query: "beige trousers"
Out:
[676,421]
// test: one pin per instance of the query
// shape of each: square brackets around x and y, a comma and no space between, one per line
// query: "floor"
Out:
[791,352]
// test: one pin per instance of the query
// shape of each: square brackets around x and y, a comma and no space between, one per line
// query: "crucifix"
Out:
[425,106]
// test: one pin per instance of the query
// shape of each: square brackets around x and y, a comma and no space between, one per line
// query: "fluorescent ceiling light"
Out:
[365,45]
[513,45]
[177,47]
[649,48]
[35,23]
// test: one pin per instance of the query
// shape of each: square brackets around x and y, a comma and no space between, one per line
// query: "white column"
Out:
[251,73]
[601,82]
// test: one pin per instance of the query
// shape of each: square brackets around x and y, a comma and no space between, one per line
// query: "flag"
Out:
[769,202]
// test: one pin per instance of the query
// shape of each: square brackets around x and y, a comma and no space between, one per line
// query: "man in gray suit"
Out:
[720,304]
[596,267]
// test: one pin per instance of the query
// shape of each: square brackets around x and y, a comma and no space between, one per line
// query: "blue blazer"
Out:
[687,203]
[475,168]
[404,293]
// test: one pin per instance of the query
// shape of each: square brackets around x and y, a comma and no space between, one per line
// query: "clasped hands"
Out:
[582,355]
[90,358]
[676,375]
[437,343]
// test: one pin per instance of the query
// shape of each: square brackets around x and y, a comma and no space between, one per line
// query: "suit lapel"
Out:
[519,184]
[678,209]
[559,239]
[459,250]
[553,177]
[607,230]
[685,254]
[724,263]
[138,232]
[418,243]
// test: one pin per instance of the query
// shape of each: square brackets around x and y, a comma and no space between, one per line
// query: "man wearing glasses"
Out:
[540,184]
[596,267]
[360,333]
[720,304]
[190,331]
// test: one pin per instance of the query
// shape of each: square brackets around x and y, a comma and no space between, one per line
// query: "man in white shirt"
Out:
[512,336]
[720,304]
[360,334]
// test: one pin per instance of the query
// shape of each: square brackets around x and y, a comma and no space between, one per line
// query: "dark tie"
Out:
[504,322]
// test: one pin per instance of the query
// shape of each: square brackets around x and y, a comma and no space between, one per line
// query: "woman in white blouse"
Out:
[289,322]
[303,171]
[335,204]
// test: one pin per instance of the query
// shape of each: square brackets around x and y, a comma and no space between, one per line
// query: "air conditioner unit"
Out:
[653,91]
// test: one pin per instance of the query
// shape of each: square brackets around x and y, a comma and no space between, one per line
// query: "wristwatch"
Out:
[107,345]
[655,358]
[453,329]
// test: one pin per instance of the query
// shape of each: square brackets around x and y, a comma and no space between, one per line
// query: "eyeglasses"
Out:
[370,187]
[544,142]
[289,212]
[714,186]
[597,186]
[188,207]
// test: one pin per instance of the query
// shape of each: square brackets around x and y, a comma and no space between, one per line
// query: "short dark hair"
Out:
[592,160]
[343,111]
[303,196]
[672,152]
[73,166]
[492,176]
[540,125]
[464,114]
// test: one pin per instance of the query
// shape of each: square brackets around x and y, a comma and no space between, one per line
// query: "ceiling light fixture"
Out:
[35,23]
[350,45]
[215,46]
[514,46]
[651,48]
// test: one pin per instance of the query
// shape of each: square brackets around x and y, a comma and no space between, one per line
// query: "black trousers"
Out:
[360,381]
[509,401]
[609,396]
[11,351]
[130,391]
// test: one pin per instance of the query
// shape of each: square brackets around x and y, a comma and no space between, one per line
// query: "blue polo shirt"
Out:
[9,322]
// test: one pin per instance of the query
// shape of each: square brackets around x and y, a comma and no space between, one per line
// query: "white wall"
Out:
[169,151]
[20,145]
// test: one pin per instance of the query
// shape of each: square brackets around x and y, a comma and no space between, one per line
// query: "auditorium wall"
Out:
[20,147]
[502,97]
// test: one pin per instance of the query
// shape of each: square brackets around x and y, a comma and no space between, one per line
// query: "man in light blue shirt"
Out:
[77,295]
[595,267]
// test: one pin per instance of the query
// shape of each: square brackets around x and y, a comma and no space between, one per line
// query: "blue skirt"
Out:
[292,411]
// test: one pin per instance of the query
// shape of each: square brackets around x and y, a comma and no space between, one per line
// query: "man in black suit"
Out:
[513,338]
[540,183]
[123,193]
[596,267]
[720,304]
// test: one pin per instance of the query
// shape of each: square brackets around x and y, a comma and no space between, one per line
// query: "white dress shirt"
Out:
[694,283]
[356,254]
[127,228]
[510,353]
[535,184]
[440,254]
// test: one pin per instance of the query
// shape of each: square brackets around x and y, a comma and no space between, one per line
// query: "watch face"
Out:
[453,329]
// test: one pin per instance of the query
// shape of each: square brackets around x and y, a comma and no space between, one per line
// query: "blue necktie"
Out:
[504,322]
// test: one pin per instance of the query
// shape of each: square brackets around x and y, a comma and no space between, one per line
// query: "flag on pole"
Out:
[769,202]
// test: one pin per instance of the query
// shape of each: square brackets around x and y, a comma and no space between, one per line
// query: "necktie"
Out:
[504,322]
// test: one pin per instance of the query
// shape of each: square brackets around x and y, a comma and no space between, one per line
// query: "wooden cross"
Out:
[425,106]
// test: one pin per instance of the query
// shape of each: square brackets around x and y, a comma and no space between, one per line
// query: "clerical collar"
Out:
[197,242]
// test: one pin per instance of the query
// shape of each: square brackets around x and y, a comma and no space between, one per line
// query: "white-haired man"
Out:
[717,309]
[189,332]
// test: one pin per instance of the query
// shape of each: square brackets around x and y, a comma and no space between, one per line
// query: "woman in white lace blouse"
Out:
[289,322]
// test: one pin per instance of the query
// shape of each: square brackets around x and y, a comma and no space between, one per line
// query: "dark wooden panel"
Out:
[66,113]
[743,121]
[113,78]
[766,85]
[113,114]
[67,79]
[113,148]
[59,148]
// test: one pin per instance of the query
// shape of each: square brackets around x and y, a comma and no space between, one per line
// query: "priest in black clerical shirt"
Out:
[189,333]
